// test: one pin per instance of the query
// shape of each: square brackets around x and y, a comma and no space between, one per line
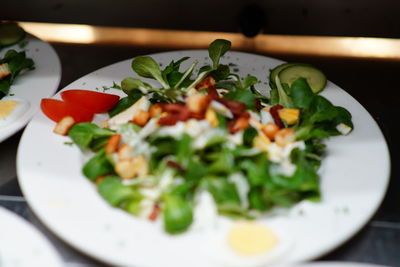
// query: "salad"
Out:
[203,135]
[13,62]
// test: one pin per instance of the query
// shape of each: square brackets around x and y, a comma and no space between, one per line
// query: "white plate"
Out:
[22,245]
[354,180]
[35,84]
[336,264]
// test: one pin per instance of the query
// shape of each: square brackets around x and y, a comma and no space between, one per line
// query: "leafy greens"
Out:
[16,63]
[222,149]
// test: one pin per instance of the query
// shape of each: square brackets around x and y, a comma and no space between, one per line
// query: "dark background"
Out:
[374,18]
[374,83]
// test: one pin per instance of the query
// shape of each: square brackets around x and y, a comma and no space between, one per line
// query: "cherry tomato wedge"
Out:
[94,101]
[57,109]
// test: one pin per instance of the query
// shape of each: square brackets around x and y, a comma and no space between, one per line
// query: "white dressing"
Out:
[242,187]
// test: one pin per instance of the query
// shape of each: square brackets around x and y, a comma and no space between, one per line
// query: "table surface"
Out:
[373,83]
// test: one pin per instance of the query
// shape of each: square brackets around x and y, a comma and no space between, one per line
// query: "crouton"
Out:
[113,143]
[64,125]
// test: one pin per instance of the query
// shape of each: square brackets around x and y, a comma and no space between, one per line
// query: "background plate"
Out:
[36,84]
[354,178]
[22,245]
[336,264]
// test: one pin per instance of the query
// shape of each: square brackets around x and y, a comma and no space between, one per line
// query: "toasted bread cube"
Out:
[239,124]
[125,152]
[131,168]
[141,117]
[113,143]
[64,125]
[125,169]
[197,103]
[285,136]
[155,110]
[140,165]
[270,129]
[104,124]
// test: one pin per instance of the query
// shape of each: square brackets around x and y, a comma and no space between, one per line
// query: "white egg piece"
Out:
[12,109]
[249,243]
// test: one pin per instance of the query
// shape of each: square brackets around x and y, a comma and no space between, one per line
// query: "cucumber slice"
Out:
[315,78]
[10,33]
[275,71]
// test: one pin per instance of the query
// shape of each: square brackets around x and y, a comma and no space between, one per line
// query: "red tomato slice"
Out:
[94,101]
[57,109]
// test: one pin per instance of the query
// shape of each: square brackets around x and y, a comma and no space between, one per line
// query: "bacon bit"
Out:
[176,165]
[178,112]
[206,83]
[239,123]
[173,108]
[245,115]
[258,105]
[197,116]
[168,120]
[184,114]
[275,115]
[236,107]
[212,93]
[155,212]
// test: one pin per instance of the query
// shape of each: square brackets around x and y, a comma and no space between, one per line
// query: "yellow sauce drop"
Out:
[250,238]
[7,107]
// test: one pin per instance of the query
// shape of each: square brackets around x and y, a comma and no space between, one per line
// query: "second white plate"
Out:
[22,245]
[31,86]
